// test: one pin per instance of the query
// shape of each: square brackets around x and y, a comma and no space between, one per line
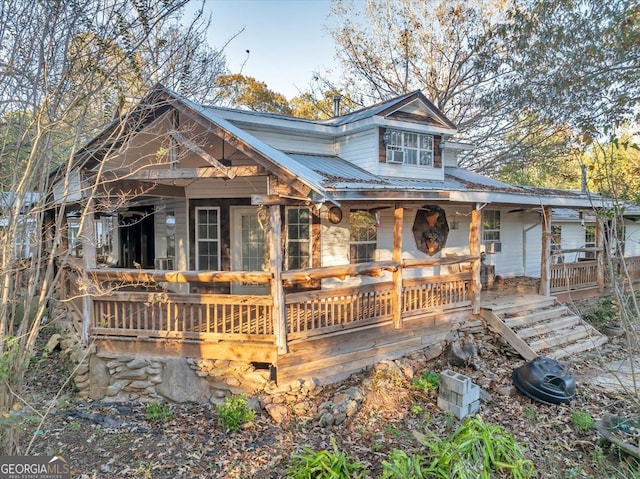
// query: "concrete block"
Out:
[455,382]
[460,399]
[459,411]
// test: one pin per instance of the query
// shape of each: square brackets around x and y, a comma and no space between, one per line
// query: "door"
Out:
[248,248]
[137,238]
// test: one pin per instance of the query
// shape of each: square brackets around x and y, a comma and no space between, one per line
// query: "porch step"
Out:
[544,327]
[520,305]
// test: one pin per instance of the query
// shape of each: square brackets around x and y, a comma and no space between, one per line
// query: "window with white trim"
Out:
[409,148]
[207,239]
[298,227]
[490,226]
[363,236]
[590,241]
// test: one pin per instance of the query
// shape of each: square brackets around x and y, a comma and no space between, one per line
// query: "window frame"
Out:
[495,227]
[355,243]
[199,240]
[590,232]
[399,140]
[289,240]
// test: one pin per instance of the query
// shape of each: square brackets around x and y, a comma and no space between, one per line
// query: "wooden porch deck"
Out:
[330,333]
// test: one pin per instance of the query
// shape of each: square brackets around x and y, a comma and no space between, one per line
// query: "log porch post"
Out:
[474,250]
[278,313]
[600,279]
[88,237]
[545,256]
[396,291]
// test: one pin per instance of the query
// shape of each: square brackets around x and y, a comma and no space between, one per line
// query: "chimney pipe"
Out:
[336,105]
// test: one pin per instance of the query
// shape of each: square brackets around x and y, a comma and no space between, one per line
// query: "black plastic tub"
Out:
[545,380]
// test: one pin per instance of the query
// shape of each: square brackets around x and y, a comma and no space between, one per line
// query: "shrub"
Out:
[477,450]
[582,420]
[235,412]
[427,381]
[157,411]
[325,464]
[402,466]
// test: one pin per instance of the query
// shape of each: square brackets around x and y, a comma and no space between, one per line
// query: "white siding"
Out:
[242,187]
[410,171]
[361,149]
[521,243]
[632,239]
[290,143]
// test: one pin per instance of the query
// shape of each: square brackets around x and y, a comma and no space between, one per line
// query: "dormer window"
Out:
[408,148]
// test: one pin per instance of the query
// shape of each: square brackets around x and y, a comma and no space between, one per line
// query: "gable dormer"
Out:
[410,138]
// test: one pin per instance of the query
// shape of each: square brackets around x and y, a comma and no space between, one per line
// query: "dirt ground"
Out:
[119,441]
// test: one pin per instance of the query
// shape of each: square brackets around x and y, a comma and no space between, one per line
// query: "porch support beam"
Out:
[474,252]
[183,140]
[600,253]
[545,257]
[89,260]
[396,291]
[279,312]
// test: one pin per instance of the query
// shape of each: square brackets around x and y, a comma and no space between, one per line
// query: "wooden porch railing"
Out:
[190,316]
[216,317]
[570,276]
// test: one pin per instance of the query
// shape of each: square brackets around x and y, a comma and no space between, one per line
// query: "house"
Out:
[206,235]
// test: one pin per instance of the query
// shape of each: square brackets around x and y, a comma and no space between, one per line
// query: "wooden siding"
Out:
[237,188]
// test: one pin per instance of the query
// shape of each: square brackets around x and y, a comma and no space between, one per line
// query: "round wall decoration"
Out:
[335,214]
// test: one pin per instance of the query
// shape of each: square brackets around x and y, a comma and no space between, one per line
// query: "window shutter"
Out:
[382,148]
[437,154]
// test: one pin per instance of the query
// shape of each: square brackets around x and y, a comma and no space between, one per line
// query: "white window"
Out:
[363,236]
[298,252]
[491,226]
[207,239]
[590,241]
[409,148]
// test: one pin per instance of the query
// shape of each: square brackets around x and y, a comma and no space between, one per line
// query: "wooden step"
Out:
[522,305]
[562,336]
[578,347]
[546,327]
[533,317]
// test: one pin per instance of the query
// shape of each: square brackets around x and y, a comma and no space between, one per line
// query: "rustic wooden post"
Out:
[545,256]
[278,313]
[600,276]
[88,237]
[474,250]
[396,291]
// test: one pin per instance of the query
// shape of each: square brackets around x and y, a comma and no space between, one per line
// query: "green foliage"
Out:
[476,450]
[158,412]
[402,466]
[235,412]
[325,464]
[428,381]
[531,413]
[9,356]
[603,313]
[582,420]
